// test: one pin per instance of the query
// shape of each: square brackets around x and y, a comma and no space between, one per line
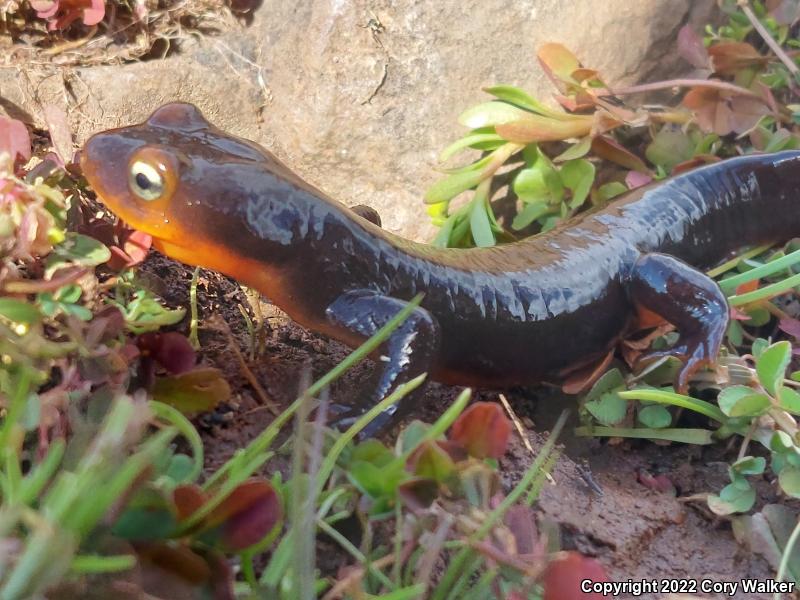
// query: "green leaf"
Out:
[529,214]
[480,225]
[669,147]
[194,391]
[771,366]
[612,189]
[19,311]
[489,114]
[655,417]
[578,176]
[76,249]
[789,400]
[609,409]
[451,186]
[732,499]
[742,401]
[540,182]
[749,465]
[577,150]
[470,141]
[789,480]
[521,98]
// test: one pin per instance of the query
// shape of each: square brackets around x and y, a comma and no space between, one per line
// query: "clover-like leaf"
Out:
[771,366]
[742,401]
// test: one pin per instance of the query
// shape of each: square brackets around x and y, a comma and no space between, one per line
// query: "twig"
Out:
[671,83]
[220,324]
[770,41]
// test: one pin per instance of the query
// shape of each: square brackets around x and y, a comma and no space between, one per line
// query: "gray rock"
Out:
[360,97]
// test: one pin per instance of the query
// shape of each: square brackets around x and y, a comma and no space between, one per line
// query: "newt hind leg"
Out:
[688,299]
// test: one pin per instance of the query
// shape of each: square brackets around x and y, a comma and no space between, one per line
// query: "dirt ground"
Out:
[595,496]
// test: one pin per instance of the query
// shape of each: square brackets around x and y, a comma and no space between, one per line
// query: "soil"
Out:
[595,497]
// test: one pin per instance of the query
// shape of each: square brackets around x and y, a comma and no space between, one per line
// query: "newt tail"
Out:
[494,317]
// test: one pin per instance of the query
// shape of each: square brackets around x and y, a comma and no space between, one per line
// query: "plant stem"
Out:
[671,83]
[770,41]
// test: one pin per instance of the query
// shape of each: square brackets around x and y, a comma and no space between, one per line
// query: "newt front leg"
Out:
[407,353]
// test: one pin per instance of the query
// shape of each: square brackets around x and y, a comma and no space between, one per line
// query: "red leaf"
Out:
[691,48]
[608,148]
[730,57]
[94,13]
[750,286]
[188,499]
[14,138]
[722,112]
[582,379]
[635,179]
[693,163]
[171,350]
[564,575]
[659,483]
[483,429]
[247,515]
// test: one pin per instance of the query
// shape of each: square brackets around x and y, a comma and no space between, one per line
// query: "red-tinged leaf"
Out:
[94,13]
[609,149]
[635,179]
[14,138]
[584,378]
[693,163]
[188,499]
[536,128]
[195,391]
[750,286]
[418,493]
[483,429]
[691,48]
[43,5]
[137,245]
[603,122]
[790,326]
[728,58]
[432,462]
[256,510]
[558,62]
[722,112]
[563,576]
[172,350]
[60,134]
[521,521]
[739,315]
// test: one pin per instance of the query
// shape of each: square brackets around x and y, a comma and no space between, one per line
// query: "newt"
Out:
[493,317]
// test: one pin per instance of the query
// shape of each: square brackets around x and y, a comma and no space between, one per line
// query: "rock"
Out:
[360,97]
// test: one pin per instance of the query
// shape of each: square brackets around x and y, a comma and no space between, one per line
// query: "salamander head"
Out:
[195,189]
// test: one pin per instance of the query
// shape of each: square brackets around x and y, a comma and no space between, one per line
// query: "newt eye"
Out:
[153,174]
[145,181]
